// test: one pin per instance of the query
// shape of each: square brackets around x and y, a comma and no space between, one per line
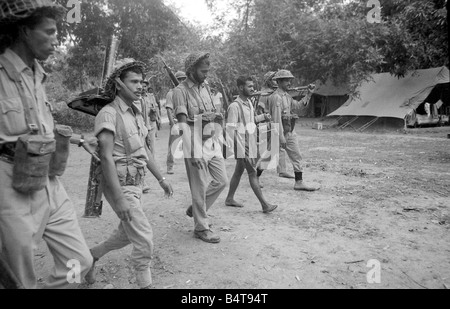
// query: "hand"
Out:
[267,117]
[168,191]
[90,144]
[198,163]
[123,210]
[283,142]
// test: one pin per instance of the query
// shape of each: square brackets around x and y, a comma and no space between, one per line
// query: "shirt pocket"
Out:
[12,117]
[135,141]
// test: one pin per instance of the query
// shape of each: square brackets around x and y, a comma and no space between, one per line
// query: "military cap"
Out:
[14,10]
[284,74]
[269,76]
[180,74]
[126,64]
[193,59]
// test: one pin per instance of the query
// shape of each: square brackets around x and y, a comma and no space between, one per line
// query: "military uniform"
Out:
[151,115]
[192,100]
[130,132]
[263,103]
[26,218]
[281,103]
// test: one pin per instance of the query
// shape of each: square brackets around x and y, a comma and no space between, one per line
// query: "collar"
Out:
[281,92]
[20,66]
[190,83]
[246,102]
[123,106]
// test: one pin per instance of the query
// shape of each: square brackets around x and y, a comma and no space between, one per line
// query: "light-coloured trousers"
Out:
[281,167]
[170,158]
[138,233]
[151,137]
[203,194]
[293,152]
[48,214]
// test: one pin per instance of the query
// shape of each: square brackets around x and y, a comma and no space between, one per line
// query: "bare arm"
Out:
[112,184]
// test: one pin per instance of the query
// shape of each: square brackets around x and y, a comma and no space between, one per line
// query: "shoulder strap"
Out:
[120,127]
[15,77]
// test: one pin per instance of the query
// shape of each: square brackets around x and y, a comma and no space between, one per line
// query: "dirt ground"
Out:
[384,196]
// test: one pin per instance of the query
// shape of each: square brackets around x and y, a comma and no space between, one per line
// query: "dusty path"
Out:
[384,197]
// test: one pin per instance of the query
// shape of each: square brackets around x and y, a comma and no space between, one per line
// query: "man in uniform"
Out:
[181,77]
[193,104]
[241,117]
[151,115]
[280,105]
[269,87]
[28,35]
[121,131]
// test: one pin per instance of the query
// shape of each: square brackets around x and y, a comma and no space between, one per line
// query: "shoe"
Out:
[207,236]
[91,275]
[286,175]
[170,171]
[300,186]
[189,212]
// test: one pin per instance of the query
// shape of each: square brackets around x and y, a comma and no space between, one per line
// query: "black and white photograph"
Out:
[223,150]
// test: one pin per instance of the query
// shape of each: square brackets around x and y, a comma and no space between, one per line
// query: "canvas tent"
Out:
[386,96]
[327,98]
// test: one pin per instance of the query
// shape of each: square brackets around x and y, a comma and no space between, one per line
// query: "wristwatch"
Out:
[162,180]
[81,142]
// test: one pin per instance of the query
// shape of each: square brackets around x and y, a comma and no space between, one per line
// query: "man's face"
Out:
[284,84]
[144,88]
[42,39]
[248,88]
[201,73]
[133,81]
[180,80]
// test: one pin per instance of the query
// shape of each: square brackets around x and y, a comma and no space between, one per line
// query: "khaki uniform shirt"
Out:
[169,99]
[136,132]
[191,99]
[12,116]
[149,102]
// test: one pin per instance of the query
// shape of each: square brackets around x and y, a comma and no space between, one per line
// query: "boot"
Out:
[299,184]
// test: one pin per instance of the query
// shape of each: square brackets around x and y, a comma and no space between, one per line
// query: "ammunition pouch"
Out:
[153,115]
[60,157]
[130,175]
[32,162]
[289,123]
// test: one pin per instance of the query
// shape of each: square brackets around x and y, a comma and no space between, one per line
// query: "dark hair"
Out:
[136,70]
[242,80]
[9,31]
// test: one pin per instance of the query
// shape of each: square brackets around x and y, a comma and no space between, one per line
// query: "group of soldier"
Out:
[34,204]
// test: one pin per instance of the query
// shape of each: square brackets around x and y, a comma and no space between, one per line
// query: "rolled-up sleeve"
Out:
[179,102]
[233,115]
[169,100]
[105,120]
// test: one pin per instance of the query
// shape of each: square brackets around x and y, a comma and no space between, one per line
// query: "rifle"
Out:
[91,102]
[174,80]
[7,278]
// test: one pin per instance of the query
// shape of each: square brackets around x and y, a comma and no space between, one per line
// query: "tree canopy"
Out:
[315,39]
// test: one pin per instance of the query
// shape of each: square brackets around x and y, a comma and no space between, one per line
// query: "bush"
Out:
[78,121]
